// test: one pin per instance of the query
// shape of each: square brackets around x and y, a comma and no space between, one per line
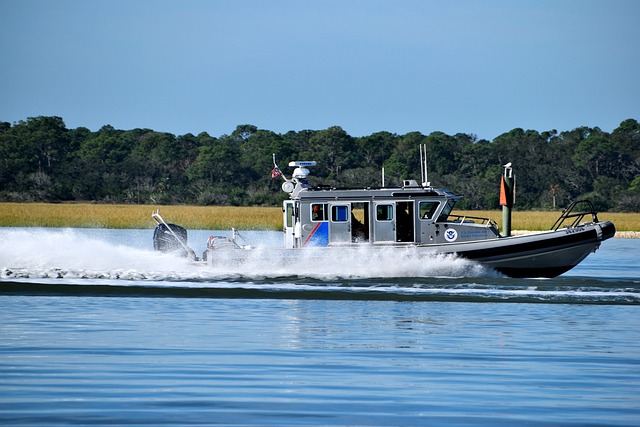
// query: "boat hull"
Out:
[546,254]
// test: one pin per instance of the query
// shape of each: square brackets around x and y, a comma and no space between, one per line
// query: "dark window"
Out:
[289,215]
[428,209]
[339,213]
[384,212]
[446,210]
[318,211]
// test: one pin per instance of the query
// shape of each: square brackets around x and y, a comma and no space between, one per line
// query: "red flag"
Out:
[275,172]
[503,192]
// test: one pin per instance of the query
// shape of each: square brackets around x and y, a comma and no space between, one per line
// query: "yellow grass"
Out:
[224,217]
[137,216]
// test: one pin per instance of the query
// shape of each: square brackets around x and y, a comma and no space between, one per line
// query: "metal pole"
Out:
[506,198]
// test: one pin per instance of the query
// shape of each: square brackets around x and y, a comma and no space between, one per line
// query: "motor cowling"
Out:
[165,240]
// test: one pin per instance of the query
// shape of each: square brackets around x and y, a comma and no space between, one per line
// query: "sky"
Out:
[190,66]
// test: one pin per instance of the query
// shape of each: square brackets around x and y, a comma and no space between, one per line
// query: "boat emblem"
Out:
[450,235]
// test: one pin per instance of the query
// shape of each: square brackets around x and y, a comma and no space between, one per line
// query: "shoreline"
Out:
[241,217]
[628,234]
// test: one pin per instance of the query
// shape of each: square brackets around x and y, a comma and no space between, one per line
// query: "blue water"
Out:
[95,328]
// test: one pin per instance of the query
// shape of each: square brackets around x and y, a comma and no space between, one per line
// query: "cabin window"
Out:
[446,210]
[318,211]
[384,212]
[289,214]
[428,209]
[339,213]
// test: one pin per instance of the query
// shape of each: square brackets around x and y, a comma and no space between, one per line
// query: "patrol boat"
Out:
[414,215]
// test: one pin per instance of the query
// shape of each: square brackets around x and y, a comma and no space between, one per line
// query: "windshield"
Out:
[448,207]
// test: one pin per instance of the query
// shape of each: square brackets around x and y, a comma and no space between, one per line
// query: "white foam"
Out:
[69,253]
[42,249]
[364,262]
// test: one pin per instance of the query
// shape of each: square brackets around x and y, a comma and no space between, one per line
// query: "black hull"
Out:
[547,254]
[540,255]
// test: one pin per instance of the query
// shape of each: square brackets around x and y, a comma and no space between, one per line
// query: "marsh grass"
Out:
[137,216]
[224,217]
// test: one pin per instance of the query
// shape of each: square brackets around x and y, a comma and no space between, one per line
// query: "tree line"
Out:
[42,160]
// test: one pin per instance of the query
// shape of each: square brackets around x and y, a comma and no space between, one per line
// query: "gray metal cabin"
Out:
[409,215]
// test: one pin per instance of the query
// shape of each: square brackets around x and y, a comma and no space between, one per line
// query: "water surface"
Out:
[97,329]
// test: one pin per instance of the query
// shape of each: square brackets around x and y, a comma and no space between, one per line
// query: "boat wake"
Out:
[71,262]
[68,254]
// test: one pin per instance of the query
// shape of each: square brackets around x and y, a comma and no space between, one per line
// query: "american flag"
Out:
[275,172]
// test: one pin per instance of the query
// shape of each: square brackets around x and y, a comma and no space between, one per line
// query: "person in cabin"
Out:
[315,213]
[404,223]
[359,231]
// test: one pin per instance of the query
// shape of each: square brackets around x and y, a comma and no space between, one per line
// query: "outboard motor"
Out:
[165,239]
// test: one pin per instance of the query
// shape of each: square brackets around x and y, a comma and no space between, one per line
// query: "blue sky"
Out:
[479,67]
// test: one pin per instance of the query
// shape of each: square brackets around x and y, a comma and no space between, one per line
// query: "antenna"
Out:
[421,167]
[424,172]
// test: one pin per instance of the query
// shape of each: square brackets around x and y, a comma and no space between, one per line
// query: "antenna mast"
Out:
[424,172]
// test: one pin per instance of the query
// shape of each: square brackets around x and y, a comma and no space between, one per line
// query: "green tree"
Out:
[331,149]
[214,170]
[627,139]
[40,159]
[98,169]
[32,153]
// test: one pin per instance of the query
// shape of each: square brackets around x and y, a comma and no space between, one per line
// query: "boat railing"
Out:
[574,214]
[487,222]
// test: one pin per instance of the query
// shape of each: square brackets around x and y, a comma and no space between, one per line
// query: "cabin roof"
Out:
[323,192]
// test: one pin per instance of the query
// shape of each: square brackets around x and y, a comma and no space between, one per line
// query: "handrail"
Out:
[483,221]
[568,213]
